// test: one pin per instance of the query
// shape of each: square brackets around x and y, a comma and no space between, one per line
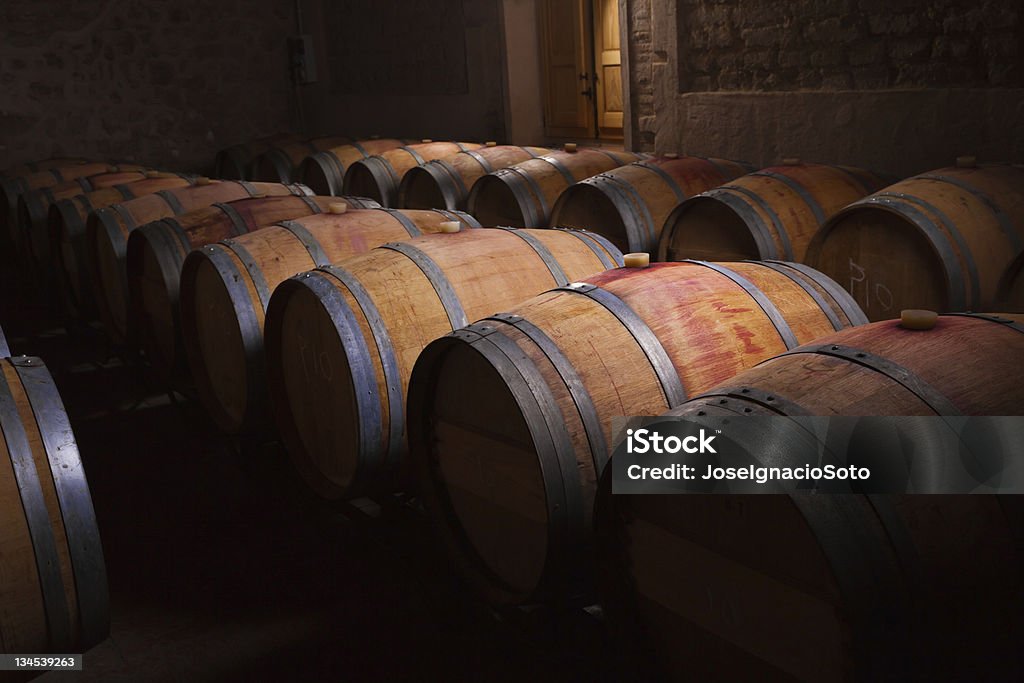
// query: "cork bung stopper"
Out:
[638,259]
[967,161]
[449,227]
[337,207]
[203,180]
[791,161]
[570,147]
[490,143]
[918,319]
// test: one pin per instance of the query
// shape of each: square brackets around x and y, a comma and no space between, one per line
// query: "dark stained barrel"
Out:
[523,195]
[629,204]
[235,162]
[939,241]
[324,172]
[54,587]
[839,586]
[280,163]
[445,183]
[1011,287]
[379,177]
[510,419]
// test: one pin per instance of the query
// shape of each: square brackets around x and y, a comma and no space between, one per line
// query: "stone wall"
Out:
[896,85]
[163,82]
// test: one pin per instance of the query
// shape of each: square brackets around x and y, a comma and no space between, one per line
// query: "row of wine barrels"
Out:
[341,341]
[226,287]
[510,419]
[107,230]
[940,241]
[629,204]
[769,214]
[34,208]
[445,183]
[875,587]
[379,177]
[523,195]
[41,165]
[54,587]
[235,162]
[280,163]
[324,172]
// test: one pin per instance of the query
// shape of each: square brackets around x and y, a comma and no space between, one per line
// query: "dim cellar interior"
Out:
[360,340]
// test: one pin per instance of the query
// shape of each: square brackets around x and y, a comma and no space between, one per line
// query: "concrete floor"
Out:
[222,569]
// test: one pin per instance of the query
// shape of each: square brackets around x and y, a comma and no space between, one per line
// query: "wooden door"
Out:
[608,65]
[565,47]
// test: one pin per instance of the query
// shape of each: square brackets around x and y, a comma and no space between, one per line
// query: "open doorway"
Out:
[581,66]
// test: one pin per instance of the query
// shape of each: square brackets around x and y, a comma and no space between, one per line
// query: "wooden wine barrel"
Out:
[235,162]
[510,419]
[341,341]
[939,241]
[629,204]
[13,187]
[225,289]
[66,232]
[105,245]
[772,213]
[54,587]
[1011,289]
[42,165]
[34,208]
[324,172]
[280,163]
[379,177]
[446,182]
[524,194]
[875,587]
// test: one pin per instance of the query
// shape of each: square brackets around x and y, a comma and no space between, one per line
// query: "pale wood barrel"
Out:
[772,213]
[280,163]
[510,419]
[939,241]
[523,195]
[876,587]
[379,177]
[445,183]
[324,172]
[106,236]
[225,289]
[54,588]
[235,162]
[629,204]
[341,341]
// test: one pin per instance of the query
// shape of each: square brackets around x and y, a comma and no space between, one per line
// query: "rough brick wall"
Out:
[841,44]
[164,82]
[896,85]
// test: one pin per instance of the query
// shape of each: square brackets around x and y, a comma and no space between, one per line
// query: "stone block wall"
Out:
[160,82]
[896,85]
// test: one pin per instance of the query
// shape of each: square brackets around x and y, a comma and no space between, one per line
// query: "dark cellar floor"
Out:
[221,569]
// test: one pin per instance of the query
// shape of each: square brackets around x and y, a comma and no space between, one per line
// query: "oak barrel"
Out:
[107,230]
[1011,288]
[939,241]
[235,162]
[772,213]
[12,187]
[54,588]
[445,183]
[875,587]
[510,418]
[34,208]
[380,176]
[280,163]
[629,204]
[324,172]
[523,195]
[42,165]
[341,341]
[225,289]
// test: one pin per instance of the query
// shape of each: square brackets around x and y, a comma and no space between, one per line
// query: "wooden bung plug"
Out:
[426,140]
[202,180]
[450,226]
[638,259]
[791,161]
[259,195]
[337,207]
[918,319]
[967,161]
[153,174]
[570,147]
[670,155]
[490,143]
